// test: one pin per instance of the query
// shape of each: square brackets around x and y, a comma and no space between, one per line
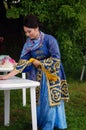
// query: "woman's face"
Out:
[32,33]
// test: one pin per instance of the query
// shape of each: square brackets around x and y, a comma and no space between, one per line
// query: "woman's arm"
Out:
[9,75]
[18,69]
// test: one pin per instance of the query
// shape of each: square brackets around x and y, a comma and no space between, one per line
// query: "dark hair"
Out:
[31,21]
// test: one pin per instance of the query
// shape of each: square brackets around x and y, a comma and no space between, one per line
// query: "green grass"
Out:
[20,117]
[76,107]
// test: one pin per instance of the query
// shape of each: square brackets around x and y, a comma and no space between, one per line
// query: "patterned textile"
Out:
[57,89]
[31,46]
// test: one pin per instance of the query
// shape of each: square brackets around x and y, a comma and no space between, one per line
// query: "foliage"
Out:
[66,20]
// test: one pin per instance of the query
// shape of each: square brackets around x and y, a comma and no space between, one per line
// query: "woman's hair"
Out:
[31,21]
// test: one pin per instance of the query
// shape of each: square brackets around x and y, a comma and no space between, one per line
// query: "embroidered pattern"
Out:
[57,90]
[39,77]
[21,65]
[54,93]
[64,90]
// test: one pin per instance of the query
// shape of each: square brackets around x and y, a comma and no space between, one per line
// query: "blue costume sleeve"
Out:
[53,47]
[52,63]
[29,66]
[22,65]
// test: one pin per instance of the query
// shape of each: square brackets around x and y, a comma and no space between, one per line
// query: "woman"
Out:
[46,67]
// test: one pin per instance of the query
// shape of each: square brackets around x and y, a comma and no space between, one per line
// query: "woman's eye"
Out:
[27,32]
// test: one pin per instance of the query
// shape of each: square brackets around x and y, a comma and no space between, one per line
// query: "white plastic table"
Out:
[15,83]
[5,70]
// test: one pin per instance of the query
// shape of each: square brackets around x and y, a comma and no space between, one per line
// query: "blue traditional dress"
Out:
[50,95]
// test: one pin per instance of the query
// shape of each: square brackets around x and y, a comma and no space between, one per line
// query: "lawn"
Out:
[76,107]
[21,116]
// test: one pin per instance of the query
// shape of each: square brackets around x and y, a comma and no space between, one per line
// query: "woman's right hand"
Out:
[3,77]
[9,75]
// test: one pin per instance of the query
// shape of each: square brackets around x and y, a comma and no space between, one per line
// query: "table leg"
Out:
[33,108]
[24,90]
[6,107]
[24,96]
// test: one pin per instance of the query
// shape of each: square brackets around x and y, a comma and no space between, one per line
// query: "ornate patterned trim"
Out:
[39,77]
[54,92]
[64,90]
[37,95]
[57,91]
[21,65]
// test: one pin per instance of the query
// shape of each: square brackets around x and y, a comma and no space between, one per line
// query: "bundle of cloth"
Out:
[7,62]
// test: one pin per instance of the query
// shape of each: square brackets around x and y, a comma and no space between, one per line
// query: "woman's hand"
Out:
[3,77]
[9,75]
[36,63]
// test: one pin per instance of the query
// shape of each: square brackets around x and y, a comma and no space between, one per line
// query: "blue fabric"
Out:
[48,116]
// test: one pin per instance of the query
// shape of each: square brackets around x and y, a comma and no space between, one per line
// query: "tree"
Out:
[66,20]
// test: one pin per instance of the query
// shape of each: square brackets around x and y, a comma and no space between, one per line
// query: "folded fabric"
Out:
[7,62]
